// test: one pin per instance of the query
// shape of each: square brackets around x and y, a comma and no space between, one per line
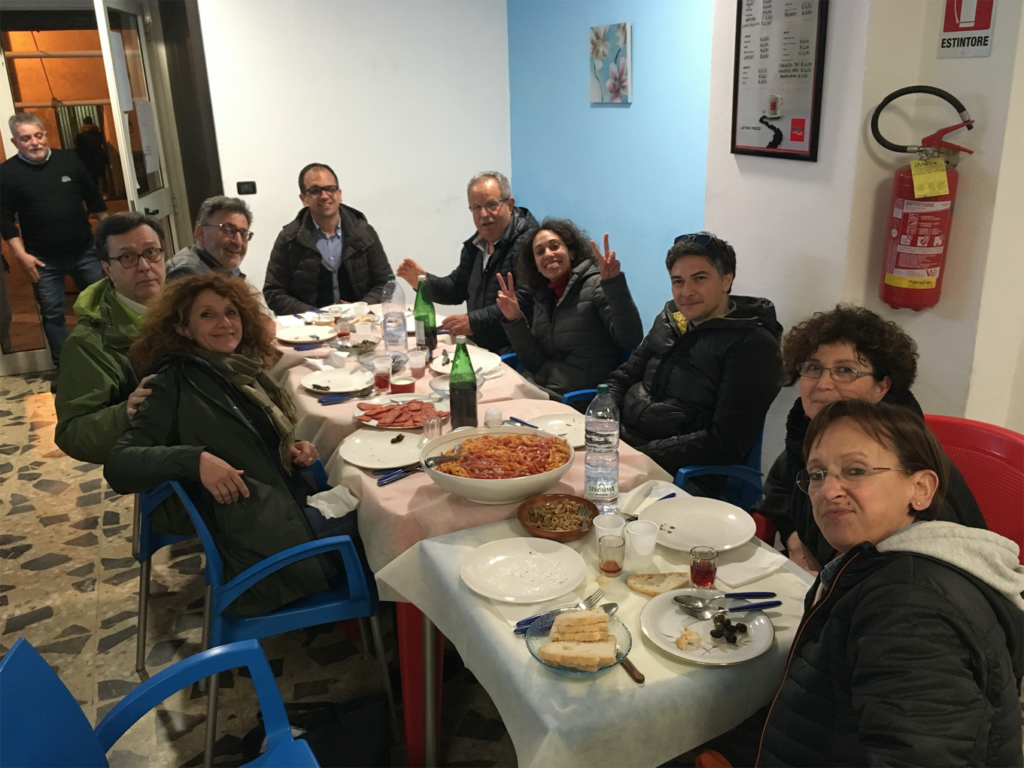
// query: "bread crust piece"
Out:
[578,655]
[574,621]
[689,640]
[653,584]
[584,636]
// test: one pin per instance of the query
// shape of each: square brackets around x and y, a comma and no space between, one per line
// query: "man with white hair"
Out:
[48,194]
[500,229]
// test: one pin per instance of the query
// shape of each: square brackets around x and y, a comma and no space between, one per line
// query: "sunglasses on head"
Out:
[700,238]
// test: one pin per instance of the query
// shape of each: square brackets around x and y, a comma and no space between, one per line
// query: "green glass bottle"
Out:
[462,387]
[426,319]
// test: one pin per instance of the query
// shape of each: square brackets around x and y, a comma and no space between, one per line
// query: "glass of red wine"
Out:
[703,566]
[382,373]
[610,553]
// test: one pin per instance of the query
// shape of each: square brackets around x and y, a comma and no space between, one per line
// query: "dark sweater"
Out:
[48,201]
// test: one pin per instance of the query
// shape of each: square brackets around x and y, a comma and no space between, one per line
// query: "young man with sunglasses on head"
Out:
[46,196]
[328,255]
[500,229]
[697,389]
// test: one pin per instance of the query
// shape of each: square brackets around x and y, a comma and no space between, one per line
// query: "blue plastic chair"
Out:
[743,488]
[355,599]
[147,543]
[512,361]
[42,726]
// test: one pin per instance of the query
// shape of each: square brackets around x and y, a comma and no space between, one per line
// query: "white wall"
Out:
[405,100]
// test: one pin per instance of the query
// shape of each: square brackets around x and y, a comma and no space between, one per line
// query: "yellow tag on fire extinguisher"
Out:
[929,177]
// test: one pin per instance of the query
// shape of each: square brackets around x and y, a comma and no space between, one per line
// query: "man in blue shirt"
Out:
[43,217]
[329,254]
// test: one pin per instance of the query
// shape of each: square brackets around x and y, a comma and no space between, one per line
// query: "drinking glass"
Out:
[642,536]
[610,553]
[418,362]
[703,566]
[362,330]
[382,373]
[432,427]
[608,525]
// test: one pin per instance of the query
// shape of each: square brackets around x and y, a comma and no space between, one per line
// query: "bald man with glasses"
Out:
[500,229]
[329,254]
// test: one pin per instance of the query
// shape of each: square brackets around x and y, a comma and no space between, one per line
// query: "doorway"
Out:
[89,75]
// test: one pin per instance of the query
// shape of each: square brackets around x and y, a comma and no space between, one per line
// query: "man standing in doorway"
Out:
[329,254]
[47,192]
[500,228]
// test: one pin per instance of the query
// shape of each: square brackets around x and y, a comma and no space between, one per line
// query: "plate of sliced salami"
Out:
[401,411]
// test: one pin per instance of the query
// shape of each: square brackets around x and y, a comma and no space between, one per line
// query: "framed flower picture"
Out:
[611,66]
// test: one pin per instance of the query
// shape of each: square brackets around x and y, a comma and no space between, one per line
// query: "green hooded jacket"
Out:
[95,382]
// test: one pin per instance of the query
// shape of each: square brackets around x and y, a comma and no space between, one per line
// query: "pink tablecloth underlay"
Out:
[393,518]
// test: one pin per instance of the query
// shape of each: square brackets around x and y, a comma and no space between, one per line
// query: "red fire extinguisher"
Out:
[918,233]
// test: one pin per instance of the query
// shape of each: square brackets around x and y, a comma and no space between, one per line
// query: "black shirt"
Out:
[48,201]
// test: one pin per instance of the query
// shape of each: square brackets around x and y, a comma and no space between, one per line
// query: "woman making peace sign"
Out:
[583,315]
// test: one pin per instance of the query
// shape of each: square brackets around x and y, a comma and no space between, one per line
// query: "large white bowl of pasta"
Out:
[499,465]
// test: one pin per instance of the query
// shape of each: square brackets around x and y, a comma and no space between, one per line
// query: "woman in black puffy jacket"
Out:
[584,317]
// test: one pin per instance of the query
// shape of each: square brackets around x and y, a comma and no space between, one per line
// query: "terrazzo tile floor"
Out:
[69,585]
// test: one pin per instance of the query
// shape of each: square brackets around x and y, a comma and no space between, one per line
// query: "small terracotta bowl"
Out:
[563,536]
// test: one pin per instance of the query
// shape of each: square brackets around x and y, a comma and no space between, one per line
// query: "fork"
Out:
[584,518]
[589,602]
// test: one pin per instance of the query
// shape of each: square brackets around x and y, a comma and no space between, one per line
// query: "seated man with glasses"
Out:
[846,353]
[501,228]
[698,387]
[328,255]
[222,237]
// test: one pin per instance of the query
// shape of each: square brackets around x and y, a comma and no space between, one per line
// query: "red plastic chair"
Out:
[991,459]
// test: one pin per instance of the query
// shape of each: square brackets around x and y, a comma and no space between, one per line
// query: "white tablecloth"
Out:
[327,425]
[610,720]
[395,517]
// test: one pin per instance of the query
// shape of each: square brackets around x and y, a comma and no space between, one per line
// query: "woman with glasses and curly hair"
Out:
[910,649]
[584,317]
[846,353]
[221,425]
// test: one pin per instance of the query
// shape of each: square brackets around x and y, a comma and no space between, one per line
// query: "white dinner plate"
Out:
[480,358]
[569,426]
[662,621]
[370,449]
[523,570]
[337,380]
[690,521]
[306,334]
[439,405]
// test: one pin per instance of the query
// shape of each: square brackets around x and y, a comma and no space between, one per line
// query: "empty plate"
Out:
[480,358]
[306,334]
[690,521]
[571,427]
[337,381]
[522,570]
[370,449]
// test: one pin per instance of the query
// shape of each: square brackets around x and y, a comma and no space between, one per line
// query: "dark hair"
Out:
[121,223]
[218,203]
[170,310]
[576,240]
[310,167]
[87,120]
[882,343]
[900,430]
[721,255]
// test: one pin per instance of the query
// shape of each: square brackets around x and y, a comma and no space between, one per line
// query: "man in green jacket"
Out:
[98,391]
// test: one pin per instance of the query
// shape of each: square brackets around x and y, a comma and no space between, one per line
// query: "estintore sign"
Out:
[966,29]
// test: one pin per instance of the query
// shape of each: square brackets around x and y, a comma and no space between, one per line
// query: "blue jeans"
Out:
[84,270]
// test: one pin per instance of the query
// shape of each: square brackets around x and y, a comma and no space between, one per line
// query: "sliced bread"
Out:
[575,621]
[583,635]
[577,655]
[654,584]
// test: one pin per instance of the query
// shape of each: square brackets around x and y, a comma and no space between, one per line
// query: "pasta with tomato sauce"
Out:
[499,457]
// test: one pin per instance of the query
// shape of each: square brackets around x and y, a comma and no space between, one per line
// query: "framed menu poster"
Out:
[776,90]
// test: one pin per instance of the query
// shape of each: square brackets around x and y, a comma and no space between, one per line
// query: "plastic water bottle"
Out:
[601,464]
[393,324]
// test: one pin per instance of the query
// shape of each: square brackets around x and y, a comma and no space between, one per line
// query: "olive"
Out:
[730,638]
[716,633]
[741,627]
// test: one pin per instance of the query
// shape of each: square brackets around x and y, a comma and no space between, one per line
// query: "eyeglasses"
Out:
[810,480]
[129,260]
[811,370]
[317,191]
[700,238]
[490,206]
[230,230]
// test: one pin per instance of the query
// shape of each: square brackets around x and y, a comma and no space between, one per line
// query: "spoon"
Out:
[610,608]
[629,666]
[433,461]
[707,614]
[699,603]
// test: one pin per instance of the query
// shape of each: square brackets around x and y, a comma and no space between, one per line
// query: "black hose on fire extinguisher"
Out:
[953,100]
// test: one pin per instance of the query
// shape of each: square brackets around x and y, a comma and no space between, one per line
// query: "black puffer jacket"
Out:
[577,341]
[294,266]
[478,287]
[790,510]
[700,397]
[908,659]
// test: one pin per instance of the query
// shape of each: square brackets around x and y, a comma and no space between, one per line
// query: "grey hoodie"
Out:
[987,556]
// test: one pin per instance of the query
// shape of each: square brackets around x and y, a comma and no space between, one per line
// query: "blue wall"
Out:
[635,171]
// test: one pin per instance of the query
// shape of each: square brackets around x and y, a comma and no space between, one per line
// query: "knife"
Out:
[632,671]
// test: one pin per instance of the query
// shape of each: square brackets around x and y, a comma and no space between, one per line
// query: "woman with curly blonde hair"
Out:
[217,422]
[846,353]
